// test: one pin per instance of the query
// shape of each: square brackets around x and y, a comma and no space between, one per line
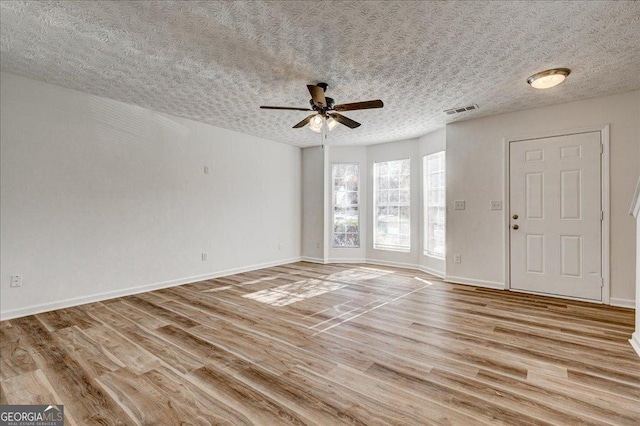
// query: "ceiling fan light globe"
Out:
[331,123]
[316,124]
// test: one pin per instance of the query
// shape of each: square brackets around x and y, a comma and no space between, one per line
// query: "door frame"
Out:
[605,203]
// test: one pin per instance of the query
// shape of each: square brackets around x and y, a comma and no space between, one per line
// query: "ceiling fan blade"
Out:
[317,93]
[304,122]
[286,108]
[359,105]
[344,120]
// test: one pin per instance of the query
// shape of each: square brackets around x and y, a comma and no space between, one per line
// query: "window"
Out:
[434,205]
[392,204]
[346,199]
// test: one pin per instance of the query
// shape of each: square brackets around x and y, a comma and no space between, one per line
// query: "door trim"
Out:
[604,180]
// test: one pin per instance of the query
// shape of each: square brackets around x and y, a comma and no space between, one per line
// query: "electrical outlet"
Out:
[318,244]
[16,281]
[205,256]
[496,205]
[280,246]
[457,258]
[458,205]
[206,170]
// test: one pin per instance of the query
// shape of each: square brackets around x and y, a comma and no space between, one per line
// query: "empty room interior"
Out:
[320,212]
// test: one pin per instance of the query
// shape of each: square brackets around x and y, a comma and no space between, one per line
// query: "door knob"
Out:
[515,216]
[515,227]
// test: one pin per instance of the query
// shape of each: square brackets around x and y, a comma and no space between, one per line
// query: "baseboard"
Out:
[347,260]
[67,303]
[406,266]
[389,263]
[635,341]
[474,282]
[431,271]
[374,262]
[622,303]
[313,259]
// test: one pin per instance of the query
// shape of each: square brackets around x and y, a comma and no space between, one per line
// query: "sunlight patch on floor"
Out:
[290,293]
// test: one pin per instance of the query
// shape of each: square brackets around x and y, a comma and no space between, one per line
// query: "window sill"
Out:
[434,256]
[397,250]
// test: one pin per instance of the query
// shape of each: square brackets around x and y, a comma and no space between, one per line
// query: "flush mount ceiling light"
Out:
[549,78]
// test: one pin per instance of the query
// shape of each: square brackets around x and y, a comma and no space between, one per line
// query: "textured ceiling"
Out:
[216,62]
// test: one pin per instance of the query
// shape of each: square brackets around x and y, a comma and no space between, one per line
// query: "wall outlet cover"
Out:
[16,281]
[457,258]
[459,205]
[496,204]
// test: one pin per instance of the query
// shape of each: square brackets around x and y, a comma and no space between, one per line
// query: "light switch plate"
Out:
[496,204]
[16,281]
[458,205]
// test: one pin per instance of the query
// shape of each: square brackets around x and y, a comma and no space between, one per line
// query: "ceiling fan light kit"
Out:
[315,124]
[331,123]
[548,78]
[325,110]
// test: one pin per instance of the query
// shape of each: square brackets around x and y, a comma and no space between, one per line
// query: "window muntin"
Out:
[434,205]
[345,179]
[392,205]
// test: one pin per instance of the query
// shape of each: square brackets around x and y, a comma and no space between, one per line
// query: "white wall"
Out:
[366,156]
[349,154]
[313,211]
[101,198]
[388,152]
[429,144]
[635,212]
[475,173]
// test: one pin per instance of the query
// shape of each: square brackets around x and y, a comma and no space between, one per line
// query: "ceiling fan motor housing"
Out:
[330,104]
[324,106]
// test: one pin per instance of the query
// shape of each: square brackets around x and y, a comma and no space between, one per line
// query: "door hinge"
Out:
[601,149]
[601,282]
[601,215]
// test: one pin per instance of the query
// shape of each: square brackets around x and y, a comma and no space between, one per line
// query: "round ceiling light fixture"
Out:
[549,78]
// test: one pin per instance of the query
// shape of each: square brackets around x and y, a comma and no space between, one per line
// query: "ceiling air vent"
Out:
[461,109]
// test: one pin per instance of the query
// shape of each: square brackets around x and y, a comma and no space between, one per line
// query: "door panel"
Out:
[535,195]
[535,253]
[570,194]
[571,260]
[555,191]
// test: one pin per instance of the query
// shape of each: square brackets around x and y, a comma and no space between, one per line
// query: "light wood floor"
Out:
[327,344]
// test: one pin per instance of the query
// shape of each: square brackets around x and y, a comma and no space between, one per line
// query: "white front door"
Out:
[555,215]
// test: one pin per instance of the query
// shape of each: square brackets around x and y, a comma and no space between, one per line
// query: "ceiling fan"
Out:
[325,109]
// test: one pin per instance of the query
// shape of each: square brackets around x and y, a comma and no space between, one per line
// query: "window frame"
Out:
[426,206]
[334,205]
[376,246]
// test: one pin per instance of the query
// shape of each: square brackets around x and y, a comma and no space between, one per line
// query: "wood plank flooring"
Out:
[326,344]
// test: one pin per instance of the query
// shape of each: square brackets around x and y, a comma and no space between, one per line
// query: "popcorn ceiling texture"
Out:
[216,62]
